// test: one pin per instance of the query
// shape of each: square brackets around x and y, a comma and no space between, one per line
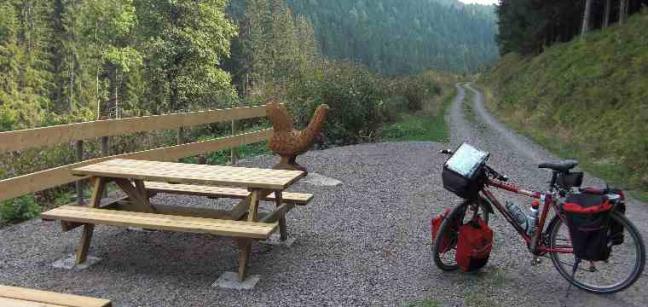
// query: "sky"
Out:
[480,1]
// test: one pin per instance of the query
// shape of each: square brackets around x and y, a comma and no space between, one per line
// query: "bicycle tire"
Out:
[446,226]
[637,270]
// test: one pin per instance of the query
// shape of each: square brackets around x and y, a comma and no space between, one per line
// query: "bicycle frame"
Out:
[535,243]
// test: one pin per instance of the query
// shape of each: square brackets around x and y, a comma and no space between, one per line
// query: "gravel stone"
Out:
[365,242]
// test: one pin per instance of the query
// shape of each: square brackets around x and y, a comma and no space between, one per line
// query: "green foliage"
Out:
[396,38]
[354,94]
[184,42]
[529,26]
[429,124]
[274,47]
[19,209]
[66,61]
[584,99]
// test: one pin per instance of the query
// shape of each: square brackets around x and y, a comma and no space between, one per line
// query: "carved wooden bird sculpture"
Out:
[288,142]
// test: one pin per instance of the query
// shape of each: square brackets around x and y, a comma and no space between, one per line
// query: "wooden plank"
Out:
[224,192]
[45,179]
[181,211]
[156,221]
[48,297]
[255,178]
[10,302]
[48,136]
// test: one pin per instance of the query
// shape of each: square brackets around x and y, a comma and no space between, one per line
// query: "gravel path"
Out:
[365,242]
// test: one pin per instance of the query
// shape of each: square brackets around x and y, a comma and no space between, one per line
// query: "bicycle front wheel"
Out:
[621,270]
[444,253]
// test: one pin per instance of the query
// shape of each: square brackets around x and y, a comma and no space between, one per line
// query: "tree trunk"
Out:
[623,11]
[586,17]
[606,13]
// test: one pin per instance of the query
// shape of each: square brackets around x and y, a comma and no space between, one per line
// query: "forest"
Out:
[529,26]
[393,38]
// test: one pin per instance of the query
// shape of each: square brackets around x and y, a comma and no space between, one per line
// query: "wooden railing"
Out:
[103,129]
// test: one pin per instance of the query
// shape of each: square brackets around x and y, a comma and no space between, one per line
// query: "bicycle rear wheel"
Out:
[621,270]
[445,259]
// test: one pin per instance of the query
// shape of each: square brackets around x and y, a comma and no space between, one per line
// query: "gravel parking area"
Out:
[365,242]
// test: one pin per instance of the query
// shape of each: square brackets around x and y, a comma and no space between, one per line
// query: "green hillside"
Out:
[586,99]
[392,37]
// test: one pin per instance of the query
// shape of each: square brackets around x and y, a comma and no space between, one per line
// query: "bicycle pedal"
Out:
[536,261]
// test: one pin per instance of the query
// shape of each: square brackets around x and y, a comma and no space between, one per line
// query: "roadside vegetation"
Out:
[426,124]
[585,99]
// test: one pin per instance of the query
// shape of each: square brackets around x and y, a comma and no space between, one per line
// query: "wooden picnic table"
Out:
[131,176]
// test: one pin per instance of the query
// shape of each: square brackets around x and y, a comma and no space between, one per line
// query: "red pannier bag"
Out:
[474,245]
[435,225]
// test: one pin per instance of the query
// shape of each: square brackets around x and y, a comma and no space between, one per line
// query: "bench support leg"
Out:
[245,247]
[283,231]
[98,187]
[84,244]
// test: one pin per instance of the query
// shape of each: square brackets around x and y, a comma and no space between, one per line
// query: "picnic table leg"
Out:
[283,230]
[98,187]
[137,194]
[254,205]
[245,246]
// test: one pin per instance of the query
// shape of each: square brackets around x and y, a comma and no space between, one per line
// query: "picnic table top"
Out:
[192,173]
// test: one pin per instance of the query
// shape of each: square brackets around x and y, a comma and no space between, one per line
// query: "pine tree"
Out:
[183,43]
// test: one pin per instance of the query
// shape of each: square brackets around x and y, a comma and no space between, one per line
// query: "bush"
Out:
[416,89]
[19,209]
[355,95]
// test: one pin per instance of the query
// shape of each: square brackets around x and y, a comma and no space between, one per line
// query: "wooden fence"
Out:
[103,129]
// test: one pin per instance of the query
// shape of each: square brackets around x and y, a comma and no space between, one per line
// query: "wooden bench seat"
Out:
[16,296]
[86,215]
[300,199]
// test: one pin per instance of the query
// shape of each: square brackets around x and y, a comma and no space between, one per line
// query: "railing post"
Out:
[105,151]
[180,136]
[234,149]
[79,184]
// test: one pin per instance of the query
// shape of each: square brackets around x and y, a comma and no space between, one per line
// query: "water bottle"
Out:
[518,215]
[533,218]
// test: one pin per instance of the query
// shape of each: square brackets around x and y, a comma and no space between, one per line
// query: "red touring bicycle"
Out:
[620,270]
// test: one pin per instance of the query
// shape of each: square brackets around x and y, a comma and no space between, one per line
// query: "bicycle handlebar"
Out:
[490,171]
[495,174]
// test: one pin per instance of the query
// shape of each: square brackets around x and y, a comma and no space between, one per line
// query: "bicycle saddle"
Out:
[559,166]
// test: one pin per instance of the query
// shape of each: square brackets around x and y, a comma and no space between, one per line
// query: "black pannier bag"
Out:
[616,228]
[588,219]
[463,173]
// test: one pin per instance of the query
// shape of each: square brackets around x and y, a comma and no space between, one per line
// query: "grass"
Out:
[424,303]
[585,99]
[423,125]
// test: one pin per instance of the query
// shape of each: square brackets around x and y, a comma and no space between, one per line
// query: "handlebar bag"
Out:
[474,245]
[463,173]
[588,219]
[445,243]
